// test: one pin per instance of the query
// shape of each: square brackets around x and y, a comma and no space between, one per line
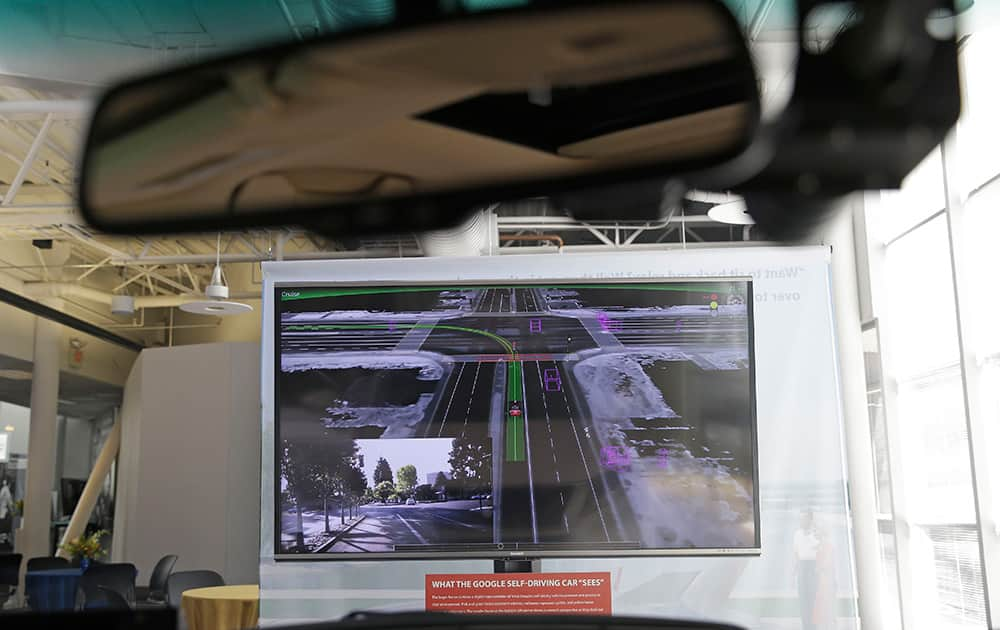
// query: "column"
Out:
[857,431]
[33,539]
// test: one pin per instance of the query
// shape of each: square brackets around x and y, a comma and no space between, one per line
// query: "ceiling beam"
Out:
[33,110]
[29,160]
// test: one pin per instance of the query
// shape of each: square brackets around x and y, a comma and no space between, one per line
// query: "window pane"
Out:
[876,420]
[890,584]
[947,585]
[979,126]
[958,575]
[921,326]
[982,266]
[981,258]
[990,408]
[937,474]
[921,195]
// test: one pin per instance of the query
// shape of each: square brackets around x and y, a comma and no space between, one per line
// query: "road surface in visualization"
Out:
[615,417]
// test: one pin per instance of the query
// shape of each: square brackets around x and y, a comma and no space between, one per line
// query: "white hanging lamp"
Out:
[217,293]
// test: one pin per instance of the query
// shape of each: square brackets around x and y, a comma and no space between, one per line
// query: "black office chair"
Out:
[47,564]
[182,581]
[157,591]
[117,576]
[104,598]
[10,573]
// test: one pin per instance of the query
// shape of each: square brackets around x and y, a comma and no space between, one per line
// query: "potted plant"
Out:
[85,548]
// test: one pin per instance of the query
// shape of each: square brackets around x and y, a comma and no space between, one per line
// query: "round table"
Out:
[221,607]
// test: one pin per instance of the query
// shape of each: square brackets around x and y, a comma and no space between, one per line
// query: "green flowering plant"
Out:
[85,546]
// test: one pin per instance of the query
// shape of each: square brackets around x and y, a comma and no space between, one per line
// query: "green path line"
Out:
[291,295]
[515,424]
[305,327]
[515,434]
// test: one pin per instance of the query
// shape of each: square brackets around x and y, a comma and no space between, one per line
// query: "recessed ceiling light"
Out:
[9,428]
[15,375]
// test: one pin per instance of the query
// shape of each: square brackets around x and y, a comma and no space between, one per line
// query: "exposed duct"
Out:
[67,290]
[710,197]
[555,239]
[476,237]
[208,259]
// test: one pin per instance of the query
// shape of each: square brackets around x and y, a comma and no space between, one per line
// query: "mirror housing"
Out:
[410,126]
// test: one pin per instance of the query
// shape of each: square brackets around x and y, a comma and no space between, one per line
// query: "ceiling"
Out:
[61,53]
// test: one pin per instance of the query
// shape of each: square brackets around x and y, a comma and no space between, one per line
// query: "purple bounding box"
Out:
[552,380]
[615,457]
[661,458]
[608,324]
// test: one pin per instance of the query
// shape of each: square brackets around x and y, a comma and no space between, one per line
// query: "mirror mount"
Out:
[863,113]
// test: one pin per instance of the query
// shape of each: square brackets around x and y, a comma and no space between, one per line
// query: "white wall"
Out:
[189,460]
[76,448]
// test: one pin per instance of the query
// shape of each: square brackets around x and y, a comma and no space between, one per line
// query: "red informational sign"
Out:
[526,593]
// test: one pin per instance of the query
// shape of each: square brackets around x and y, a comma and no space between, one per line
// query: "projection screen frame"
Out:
[271,305]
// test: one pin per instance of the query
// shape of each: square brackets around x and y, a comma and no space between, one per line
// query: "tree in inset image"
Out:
[471,464]
[440,481]
[424,492]
[300,482]
[385,491]
[383,472]
[406,480]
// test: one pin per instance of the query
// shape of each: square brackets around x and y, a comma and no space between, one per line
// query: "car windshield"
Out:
[676,416]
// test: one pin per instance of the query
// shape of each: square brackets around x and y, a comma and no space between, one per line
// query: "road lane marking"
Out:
[471,398]
[423,541]
[451,520]
[454,389]
[527,443]
[586,466]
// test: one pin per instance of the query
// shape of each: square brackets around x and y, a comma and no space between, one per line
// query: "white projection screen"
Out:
[589,410]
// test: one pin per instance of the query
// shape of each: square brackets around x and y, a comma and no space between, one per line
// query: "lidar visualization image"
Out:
[572,418]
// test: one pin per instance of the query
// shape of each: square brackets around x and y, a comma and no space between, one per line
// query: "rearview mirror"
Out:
[408,126]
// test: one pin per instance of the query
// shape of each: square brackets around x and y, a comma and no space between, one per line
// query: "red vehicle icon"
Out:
[514,409]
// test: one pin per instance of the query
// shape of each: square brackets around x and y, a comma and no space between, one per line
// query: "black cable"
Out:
[40,310]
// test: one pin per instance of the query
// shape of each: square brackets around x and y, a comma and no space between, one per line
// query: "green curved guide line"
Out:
[292,295]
